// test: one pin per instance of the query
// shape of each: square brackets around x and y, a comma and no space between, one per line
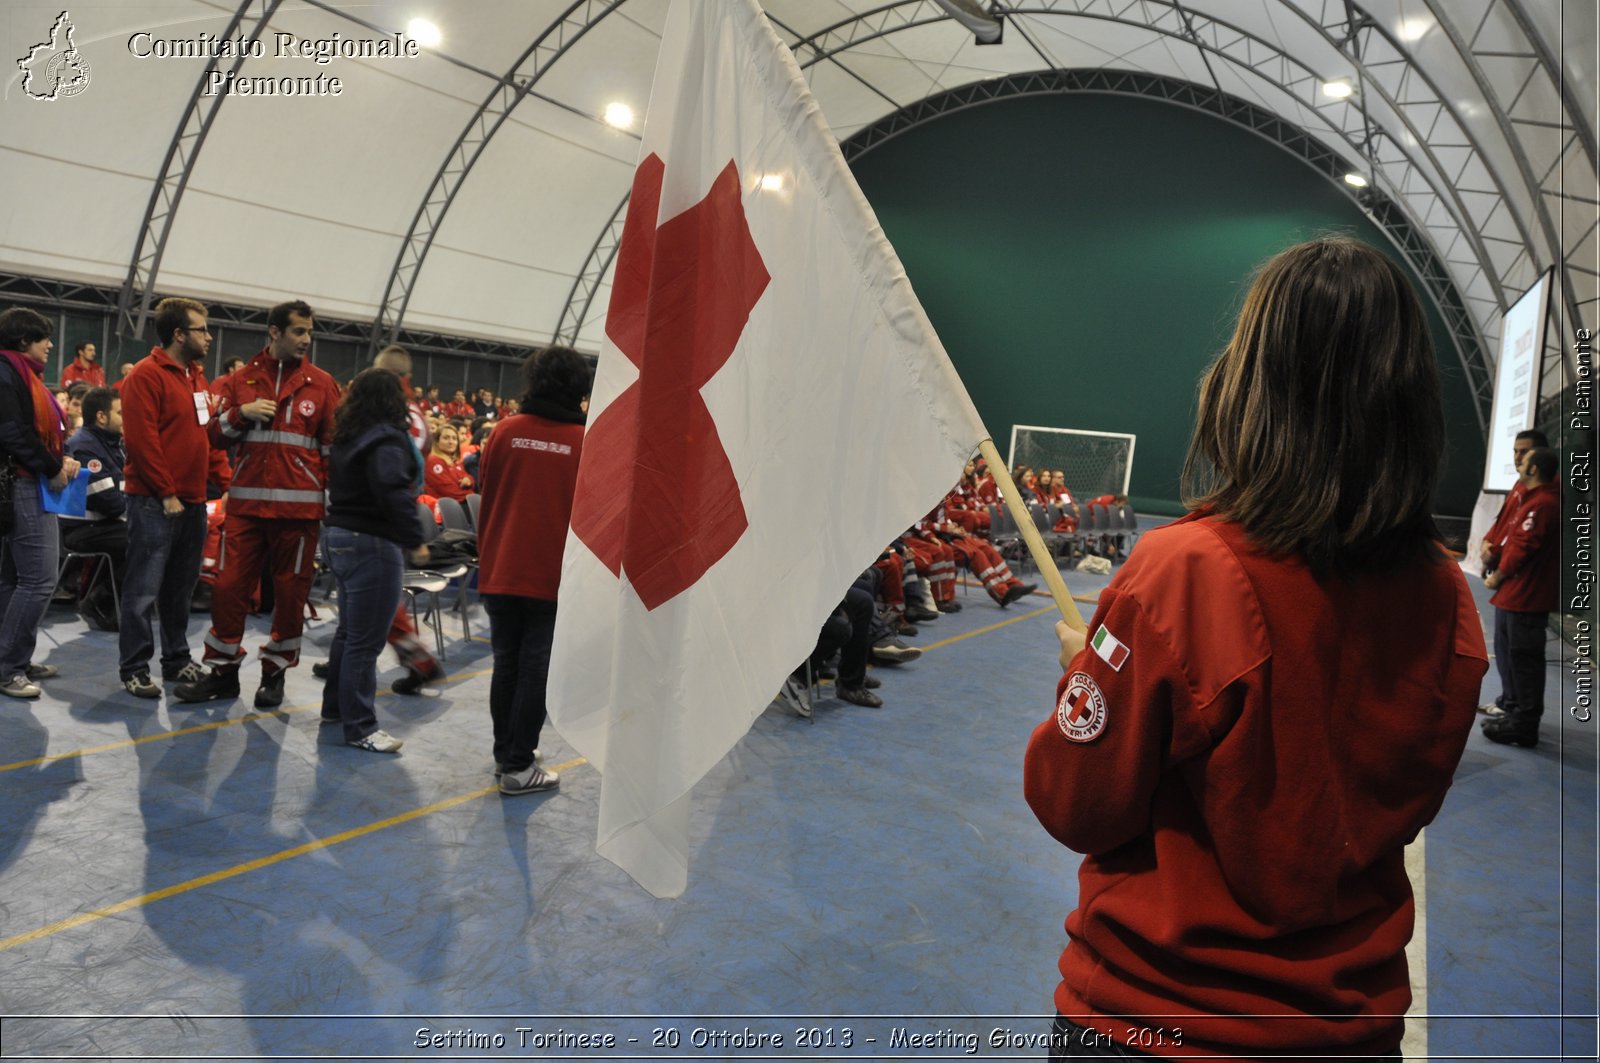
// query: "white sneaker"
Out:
[530,781]
[379,742]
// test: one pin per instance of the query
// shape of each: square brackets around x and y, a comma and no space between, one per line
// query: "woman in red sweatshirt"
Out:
[1274,696]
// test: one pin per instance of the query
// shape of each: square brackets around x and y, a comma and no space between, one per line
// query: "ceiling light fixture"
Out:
[619,115]
[1414,29]
[424,32]
[1355,180]
[772,182]
[1338,90]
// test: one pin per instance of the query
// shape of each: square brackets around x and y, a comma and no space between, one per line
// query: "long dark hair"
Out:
[375,397]
[1320,426]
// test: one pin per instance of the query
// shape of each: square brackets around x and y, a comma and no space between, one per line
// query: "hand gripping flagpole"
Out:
[1030,535]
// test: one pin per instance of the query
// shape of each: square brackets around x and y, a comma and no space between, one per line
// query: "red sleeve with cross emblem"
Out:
[1153,687]
[1092,767]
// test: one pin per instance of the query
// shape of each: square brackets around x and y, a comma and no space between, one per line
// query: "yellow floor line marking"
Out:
[992,627]
[200,728]
[255,865]
[84,918]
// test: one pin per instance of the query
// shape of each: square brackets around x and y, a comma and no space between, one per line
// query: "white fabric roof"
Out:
[316,196]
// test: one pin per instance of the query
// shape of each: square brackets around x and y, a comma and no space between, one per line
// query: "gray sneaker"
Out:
[530,781]
[19,687]
[140,685]
[796,695]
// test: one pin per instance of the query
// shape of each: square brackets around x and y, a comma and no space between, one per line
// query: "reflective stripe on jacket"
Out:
[281,469]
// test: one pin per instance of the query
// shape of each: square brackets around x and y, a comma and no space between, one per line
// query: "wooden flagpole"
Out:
[1012,497]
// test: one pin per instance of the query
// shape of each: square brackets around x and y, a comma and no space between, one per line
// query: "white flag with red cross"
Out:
[771,409]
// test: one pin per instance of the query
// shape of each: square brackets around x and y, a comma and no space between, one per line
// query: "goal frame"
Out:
[1133,439]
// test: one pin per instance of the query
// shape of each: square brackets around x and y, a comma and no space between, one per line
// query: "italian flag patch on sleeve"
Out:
[1110,648]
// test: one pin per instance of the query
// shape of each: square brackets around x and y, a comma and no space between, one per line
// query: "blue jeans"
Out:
[368,570]
[27,576]
[163,567]
[520,633]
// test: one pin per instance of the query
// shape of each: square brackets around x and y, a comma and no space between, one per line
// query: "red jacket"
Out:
[1529,562]
[168,444]
[442,479]
[1244,758]
[94,376]
[527,475]
[281,469]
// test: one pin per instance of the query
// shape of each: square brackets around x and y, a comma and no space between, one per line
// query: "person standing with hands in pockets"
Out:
[1273,698]
[166,411]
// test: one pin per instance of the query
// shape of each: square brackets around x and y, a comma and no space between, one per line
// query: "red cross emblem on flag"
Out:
[656,494]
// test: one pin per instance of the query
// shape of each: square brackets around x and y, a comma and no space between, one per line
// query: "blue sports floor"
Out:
[181,883]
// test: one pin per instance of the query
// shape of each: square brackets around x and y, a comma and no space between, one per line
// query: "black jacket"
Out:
[19,443]
[372,486]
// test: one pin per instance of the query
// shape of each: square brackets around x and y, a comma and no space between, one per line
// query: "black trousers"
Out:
[1519,640]
[520,633]
[849,632]
[98,537]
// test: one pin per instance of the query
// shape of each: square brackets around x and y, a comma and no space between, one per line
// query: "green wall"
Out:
[1083,257]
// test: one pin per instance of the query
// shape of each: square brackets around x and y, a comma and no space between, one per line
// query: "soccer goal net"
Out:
[1094,463]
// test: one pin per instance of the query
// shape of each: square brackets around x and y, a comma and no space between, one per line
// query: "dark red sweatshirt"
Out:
[1244,758]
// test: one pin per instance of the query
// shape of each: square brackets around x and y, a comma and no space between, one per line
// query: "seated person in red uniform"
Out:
[442,474]
[965,506]
[1273,700]
[982,559]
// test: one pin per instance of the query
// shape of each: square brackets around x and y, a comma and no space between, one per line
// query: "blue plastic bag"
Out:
[71,501]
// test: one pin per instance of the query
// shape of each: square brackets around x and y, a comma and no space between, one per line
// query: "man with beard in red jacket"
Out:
[278,409]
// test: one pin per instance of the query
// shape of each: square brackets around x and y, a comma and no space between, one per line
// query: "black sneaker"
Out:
[189,673]
[1507,732]
[269,695]
[1020,590]
[952,606]
[859,696]
[413,681]
[140,686]
[214,686]
[320,669]
[918,615]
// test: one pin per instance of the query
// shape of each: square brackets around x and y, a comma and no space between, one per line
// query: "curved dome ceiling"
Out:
[471,189]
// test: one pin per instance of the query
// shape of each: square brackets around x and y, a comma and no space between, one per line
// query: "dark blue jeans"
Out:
[520,633]
[1519,640]
[368,571]
[163,567]
[28,563]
